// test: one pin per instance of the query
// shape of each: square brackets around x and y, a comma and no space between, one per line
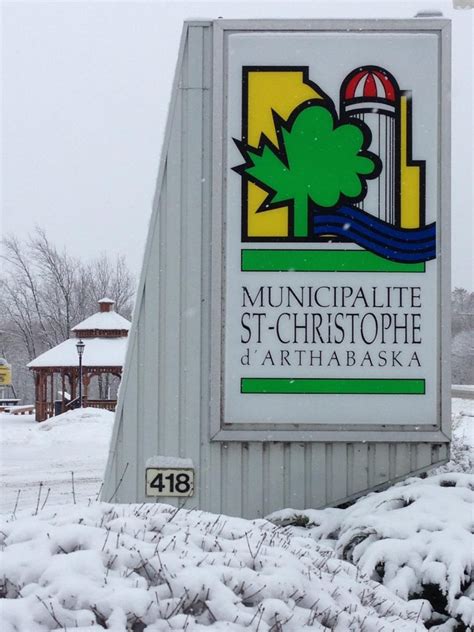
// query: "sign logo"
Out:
[312,174]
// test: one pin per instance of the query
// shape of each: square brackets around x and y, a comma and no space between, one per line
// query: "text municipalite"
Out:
[325,296]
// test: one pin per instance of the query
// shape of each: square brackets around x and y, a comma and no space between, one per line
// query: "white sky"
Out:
[86,87]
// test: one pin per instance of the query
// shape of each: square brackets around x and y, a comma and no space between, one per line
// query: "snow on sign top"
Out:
[103,320]
[97,352]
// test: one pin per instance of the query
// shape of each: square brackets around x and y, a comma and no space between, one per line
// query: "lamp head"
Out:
[80,347]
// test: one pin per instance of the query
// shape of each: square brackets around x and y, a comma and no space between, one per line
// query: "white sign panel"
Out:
[331,229]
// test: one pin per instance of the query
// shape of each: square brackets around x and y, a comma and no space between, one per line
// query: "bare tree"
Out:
[462,357]
[462,304]
[44,292]
[112,279]
[20,296]
[462,350]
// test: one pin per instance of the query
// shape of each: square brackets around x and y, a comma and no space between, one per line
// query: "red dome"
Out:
[369,83]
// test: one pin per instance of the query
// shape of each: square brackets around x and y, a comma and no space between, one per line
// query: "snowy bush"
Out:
[416,538]
[154,568]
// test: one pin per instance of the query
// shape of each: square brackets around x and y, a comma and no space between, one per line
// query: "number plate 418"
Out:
[169,482]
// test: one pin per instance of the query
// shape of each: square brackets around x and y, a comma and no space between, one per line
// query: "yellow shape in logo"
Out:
[410,174]
[281,91]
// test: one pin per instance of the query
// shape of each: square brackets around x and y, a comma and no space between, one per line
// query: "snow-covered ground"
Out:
[37,457]
[89,566]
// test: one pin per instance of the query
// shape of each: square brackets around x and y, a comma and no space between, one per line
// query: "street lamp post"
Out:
[80,350]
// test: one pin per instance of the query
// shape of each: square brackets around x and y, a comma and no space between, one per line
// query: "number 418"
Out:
[180,483]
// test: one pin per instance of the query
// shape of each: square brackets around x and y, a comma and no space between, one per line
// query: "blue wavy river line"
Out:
[409,245]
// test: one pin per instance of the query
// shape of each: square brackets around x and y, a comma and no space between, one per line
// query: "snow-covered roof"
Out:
[103,320]
[97,352]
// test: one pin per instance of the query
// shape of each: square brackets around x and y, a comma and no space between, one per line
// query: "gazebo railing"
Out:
[105,404]
[73,403]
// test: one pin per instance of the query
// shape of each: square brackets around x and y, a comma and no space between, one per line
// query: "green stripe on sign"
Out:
[272,260]
[314,386]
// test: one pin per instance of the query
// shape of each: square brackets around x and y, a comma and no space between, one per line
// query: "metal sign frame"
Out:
[219,430]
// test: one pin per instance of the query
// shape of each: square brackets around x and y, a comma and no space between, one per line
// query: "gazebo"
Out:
[105,341]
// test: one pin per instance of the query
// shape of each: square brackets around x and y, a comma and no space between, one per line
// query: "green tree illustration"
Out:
[317,160]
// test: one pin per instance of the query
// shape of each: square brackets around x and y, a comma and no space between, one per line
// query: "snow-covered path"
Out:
[32,454]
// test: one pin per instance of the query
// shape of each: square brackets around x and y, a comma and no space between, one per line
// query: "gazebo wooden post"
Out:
[38,394]
[73,383]
[69,384]
[86,378]
[42,415]
[41,395]
[44,393]
[62,391]
[51,392]
[46,396]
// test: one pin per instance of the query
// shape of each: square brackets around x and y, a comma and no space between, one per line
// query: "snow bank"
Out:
[154,568]
[416,538]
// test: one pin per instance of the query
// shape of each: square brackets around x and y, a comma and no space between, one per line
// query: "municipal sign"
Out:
[290,340]
[332,229]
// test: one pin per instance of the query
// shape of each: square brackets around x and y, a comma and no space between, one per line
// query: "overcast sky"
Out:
[86,87]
